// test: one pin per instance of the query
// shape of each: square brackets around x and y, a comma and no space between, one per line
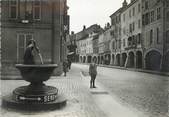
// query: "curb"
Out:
[132,69]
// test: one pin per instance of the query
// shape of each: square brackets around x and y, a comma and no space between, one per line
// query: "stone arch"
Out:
[118,59]
[98,59]
[81,59]
[84,59]
[102,60]
[131,59]
[139,59]
[153,60]
[107,59]
[152,49]
[124,58]
[77,58]
[113,58]
[89,59]
[94,58]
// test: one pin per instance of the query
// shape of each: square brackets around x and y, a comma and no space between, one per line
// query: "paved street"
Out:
[79,104]
[147,93]
[132,94]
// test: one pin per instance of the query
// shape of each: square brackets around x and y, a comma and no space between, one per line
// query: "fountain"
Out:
[37,95]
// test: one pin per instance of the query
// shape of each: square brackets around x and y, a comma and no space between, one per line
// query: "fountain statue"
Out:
[37,95]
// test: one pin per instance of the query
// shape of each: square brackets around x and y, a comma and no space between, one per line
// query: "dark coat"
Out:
[93,69]
[65,66]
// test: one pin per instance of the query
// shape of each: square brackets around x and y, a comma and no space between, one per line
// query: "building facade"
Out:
[42,20]
[95,41]
[131,33]
[155,34]
[115,44]
[138,37]
[107,38]
[71,47]
[82,52]
[82,48]
[101,47]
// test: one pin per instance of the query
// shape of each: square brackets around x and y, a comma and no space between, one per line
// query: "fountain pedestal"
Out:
[37,95]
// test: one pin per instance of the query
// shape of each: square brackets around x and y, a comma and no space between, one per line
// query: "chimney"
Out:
[108,25]
[125,3]
[72,33]
[84,27]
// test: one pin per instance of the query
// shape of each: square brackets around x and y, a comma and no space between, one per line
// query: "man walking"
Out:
[69,63]
[65,67]
[93,73]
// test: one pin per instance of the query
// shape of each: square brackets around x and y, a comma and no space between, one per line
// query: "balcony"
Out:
[130,47]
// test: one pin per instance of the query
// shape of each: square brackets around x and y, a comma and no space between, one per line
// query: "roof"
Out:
[84,37]
[124,8]
[129,5]
[118,11]
[85,33]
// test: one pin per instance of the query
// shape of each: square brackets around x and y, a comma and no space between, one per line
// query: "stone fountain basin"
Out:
[36,73]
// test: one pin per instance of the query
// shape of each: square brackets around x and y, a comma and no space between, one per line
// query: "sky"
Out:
[89,12]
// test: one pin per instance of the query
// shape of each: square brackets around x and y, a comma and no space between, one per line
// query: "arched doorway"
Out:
[98,60]
[102,60]
[118,59]
[124,57]
[81,59]
[153,60]
[131,60]
[112,59]
[84,59]
[107,59]
[77,58]
[139,60]
[89,59]
[94,59]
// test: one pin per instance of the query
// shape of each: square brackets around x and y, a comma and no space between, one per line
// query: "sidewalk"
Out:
[81,100]
[107,103]
[133,69]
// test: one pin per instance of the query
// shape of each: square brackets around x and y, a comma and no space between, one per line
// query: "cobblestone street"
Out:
[79,104]
[145,92]
[142,94]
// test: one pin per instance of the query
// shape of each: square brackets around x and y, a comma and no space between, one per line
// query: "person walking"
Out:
[65,67]
[69,63]
[93,73]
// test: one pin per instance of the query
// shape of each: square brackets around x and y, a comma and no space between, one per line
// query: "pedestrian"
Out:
[69,63]
[65,67]
[28,55]
[93,73]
